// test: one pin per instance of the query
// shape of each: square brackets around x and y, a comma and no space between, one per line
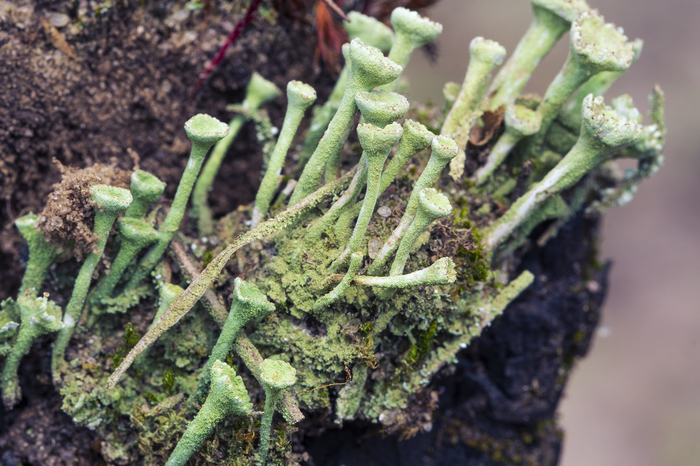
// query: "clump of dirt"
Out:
[69,214]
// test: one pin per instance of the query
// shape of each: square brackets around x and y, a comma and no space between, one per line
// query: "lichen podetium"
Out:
[366,281]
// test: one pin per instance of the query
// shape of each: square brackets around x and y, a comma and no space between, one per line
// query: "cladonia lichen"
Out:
[348,298]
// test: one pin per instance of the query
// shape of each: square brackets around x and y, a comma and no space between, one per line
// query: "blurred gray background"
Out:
[635,401]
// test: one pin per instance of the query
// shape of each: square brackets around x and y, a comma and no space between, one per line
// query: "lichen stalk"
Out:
[39,316]
[275,376]
[41,254]
[603,132]
[442,272]
[335,294]
[411,32]
[431,206]
[520,123]
[551,20]
[373,33]
[485,55]
[598,84]
[595,47]
[245,350]
[299,97]
[377,144]
[204,131]
[258,92]
[109,202]
[135,235]
[444,150]
[227,397]
[368,69]
[415,138]
[248,304]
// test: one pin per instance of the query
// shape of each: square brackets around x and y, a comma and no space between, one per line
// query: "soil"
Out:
[127,90]
[119,85]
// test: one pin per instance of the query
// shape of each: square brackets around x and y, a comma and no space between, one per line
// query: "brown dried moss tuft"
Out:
[69,215]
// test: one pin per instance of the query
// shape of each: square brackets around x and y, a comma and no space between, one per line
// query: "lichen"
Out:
[341,335]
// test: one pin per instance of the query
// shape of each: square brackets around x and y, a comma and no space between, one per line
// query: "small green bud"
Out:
[370,30]
[380,108]
[520,123]
[275,376]
[431,206]
[412,31]
[205,130]
[39,316]
[227,397]
[145,189]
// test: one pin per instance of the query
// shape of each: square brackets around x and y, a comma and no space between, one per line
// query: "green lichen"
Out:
[357,345]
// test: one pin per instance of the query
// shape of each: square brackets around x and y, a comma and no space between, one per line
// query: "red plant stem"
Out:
[237,30]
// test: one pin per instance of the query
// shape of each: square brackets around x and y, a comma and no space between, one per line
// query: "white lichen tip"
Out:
[205,129]
[277,374]
[300,95]
[444,270]
[444,148]
[380,108]
[378,141]
[252,302]
[522,121]
[565,9]
[433,204]
[110,198]
[370,30]
[420,30]
[624,106]
[26,225]
[137,230]
[417,134]
[601,44]
[606,125]
[146,185]
[486,51]
[369,67]
[228,386]
[259,91]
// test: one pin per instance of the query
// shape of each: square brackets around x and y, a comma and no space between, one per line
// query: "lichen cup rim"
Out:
[205,129]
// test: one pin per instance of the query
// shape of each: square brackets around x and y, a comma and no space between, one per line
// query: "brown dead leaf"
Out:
[479,136]
[57,39]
